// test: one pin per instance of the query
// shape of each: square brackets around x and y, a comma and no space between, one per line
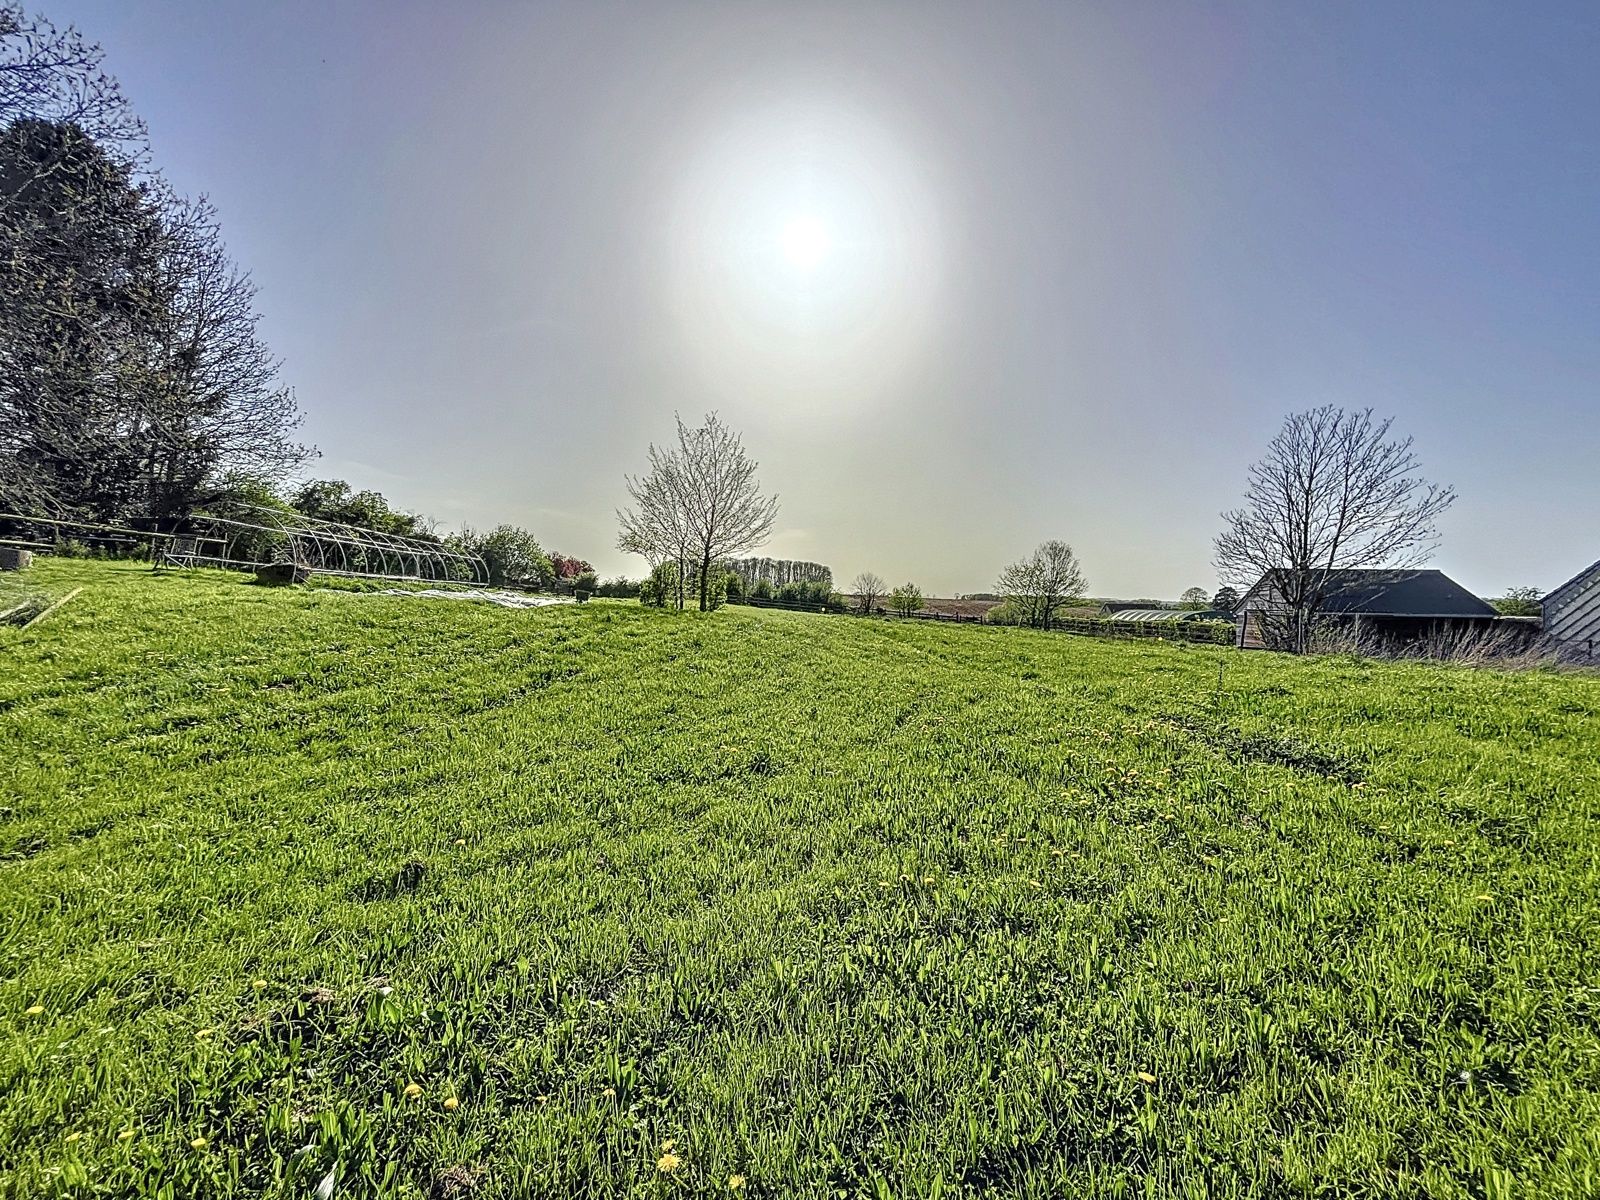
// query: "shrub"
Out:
[733,586]
[762,590]
[586,583]
[661,588]
[619,588]
[716,590]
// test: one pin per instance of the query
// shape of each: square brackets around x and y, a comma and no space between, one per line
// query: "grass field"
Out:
[416,898]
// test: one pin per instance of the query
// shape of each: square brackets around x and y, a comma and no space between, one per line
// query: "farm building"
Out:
[1394,606]
[1572,613]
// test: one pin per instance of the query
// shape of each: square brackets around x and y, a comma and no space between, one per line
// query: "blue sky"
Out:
[1081,258]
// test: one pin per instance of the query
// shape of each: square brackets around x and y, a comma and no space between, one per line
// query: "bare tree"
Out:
[1043,583]
[55,75]
[656,526]
[213,403]
[723,508]
[1334,493]
[869,588]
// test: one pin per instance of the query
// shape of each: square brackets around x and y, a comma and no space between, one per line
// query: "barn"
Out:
[1572,613]
[1394,606]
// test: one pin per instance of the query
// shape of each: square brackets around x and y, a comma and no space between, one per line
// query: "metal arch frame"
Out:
[337,548]
[324,547]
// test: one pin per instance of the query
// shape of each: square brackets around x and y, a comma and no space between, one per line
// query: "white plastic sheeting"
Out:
[503,599]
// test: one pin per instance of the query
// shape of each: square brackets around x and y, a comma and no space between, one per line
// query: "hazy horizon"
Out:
[965,279]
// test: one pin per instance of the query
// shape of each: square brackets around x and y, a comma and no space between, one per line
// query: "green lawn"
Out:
[839,907]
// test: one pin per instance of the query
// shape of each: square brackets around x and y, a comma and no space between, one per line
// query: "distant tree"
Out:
[905,599]
[1194,598]
[567,567]
[335,500]
[1519,602]
[762,590]
[620,588]
[511,555]
[779,571]
[733,586]
[1227,599]
[869,589]
[1335,492]
[1043,583]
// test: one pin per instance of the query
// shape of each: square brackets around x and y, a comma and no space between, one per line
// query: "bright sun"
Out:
[805,243]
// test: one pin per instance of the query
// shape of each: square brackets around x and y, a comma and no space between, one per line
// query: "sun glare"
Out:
[803,256]
[805,243]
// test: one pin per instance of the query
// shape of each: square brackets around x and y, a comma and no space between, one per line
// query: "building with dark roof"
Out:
[1572,613]
[1395,606]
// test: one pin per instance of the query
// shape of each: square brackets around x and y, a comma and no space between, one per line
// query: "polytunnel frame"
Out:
[324,548]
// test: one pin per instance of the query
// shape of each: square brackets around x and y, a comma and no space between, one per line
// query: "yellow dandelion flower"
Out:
[884,883]
[259,985]
[125,1135]
[1146,1077]
[928,879]
[202,1035]
[1035,883]
[1486,896]
[668,1163]
[736,1183]
[610,1093]
[74,1136]
[461,841]
[451,1104]
[35,1009]
[668,1144]
[413,1090]
[198,1144]
[541,1099]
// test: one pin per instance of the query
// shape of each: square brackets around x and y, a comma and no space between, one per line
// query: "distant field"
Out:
[640,903]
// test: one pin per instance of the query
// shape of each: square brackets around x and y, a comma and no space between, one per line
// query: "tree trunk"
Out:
[705,582]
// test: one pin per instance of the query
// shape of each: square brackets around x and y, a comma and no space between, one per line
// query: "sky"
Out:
[966,277]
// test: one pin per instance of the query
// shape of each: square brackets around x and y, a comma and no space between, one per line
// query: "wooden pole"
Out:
[52,608]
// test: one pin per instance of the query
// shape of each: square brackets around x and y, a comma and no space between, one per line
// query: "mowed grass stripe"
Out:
[839,906]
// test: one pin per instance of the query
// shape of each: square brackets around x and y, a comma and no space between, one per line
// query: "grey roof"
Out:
[1571,585]
[1397,593]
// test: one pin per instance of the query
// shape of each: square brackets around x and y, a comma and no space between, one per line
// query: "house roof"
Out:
[1396,593]
[1571,585]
